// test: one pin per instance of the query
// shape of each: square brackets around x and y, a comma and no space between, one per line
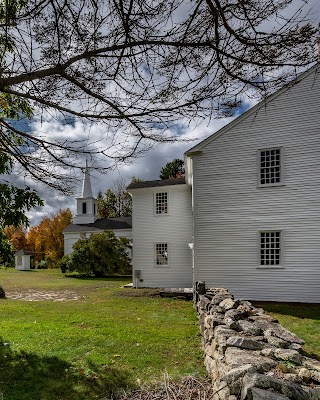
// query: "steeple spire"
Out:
[86,204]
[86,184]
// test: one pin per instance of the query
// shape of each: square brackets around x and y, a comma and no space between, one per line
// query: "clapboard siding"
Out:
[230,208]
[174,228]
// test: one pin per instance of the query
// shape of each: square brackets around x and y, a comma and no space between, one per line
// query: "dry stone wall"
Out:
[249,355]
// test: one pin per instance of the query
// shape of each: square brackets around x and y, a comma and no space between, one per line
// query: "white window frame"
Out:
[155,202]
[281,183]
[281,248]
[156,254]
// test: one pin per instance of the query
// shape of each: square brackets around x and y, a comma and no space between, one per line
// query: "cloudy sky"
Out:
[146,167]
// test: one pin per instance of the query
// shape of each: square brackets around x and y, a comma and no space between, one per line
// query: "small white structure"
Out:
[22,260]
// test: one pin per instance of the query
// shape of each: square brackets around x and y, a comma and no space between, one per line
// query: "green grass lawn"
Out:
[301,319]
[110,339]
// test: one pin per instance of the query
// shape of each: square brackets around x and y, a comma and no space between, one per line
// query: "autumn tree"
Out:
[46,240]
[136,69]
[17,236]
[116,202]
[173,169]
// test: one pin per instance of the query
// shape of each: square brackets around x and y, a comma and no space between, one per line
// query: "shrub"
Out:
[101,254]
[42,264]
[63,264]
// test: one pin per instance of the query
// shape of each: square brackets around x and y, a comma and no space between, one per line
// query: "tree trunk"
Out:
[2,293]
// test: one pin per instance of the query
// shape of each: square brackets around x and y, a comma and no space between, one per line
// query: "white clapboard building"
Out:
[247,214]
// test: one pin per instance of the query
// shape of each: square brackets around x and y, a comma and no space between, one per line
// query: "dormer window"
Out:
[161,203]
[84,208]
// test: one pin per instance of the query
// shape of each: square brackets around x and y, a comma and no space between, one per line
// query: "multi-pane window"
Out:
[162,203]
[270,248]
[270,166]
[161,253]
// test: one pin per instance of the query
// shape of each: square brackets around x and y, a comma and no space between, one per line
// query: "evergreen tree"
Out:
[173,169]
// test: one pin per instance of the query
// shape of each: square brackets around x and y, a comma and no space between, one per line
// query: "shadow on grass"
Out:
[298,310]
[98,278]
[26,376]
[302,311]
[18,270]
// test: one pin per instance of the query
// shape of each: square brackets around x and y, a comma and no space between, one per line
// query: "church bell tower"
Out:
[86,204]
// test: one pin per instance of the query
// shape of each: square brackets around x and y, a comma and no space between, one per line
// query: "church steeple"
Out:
[86,184]
[86,204]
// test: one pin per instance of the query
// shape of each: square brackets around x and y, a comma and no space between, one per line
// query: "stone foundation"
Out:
[249,355]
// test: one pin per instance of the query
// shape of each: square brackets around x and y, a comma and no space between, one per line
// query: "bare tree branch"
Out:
[137,68]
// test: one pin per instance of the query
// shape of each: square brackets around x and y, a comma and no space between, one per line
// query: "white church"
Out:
[86,221]
[247,214]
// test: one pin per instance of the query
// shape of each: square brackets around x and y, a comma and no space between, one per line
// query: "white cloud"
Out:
[147,167]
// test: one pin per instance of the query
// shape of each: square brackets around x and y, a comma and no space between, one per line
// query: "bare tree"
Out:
[116,201]
[137,67]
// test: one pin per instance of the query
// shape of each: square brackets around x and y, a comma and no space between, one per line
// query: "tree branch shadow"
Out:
[298,310]
[27,376]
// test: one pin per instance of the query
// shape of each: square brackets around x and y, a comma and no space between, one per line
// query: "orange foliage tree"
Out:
[46,239]
[16,236]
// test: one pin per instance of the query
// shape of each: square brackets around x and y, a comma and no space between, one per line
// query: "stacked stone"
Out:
[249,355]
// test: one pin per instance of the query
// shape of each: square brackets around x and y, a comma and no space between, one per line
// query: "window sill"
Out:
[270,185]
[270,267]
[161,266]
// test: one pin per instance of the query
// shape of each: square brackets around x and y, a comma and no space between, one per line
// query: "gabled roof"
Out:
[101,224]
[157,183]
[314,69]
[22,252]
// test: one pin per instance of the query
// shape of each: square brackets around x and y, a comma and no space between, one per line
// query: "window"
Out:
[162,203]
[270,248]
[270,166]
[84,208]
[162,254]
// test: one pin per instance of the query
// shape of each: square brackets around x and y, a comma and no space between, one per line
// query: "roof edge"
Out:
[157,183]
[198,147]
